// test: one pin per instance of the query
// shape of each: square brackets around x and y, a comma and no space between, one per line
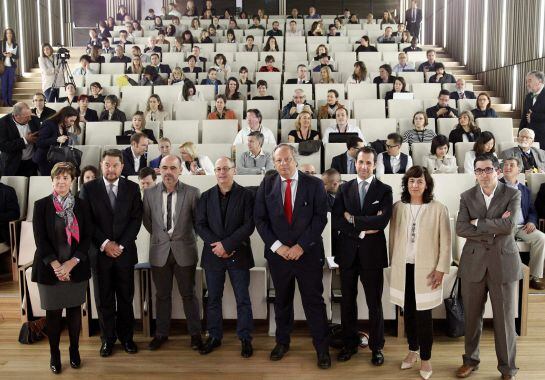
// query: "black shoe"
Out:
[75,360]
[55,363]
[324,360]
[377,358]
[279,351]
[106,349]
[196,342]
[130,347]
[247,349]
[209,346]
[346,353]
[157,342]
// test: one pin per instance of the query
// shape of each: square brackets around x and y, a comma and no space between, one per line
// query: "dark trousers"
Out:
[240,281]
[8,81]
[27,168]
[51,94]
[372,281]
[44,167]
[54,327]
[185,277]
[309,278]
[418,323]
[114,286]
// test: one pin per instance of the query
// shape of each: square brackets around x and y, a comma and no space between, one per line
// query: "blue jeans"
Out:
[240,280]
[8,81]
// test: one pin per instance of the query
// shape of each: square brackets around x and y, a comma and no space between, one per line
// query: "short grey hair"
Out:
[290,147]
[259,136]
[230,160]
[518,160]
[19,108]
[539,75]
[528,131]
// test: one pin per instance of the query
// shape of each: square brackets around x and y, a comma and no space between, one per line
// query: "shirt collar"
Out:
[134,156]
[17,124]
[295,177]
[491,195]
[512,185]
[116,183]
[396,157]
[349,157]
[368,180]
[539,92]
[257,155]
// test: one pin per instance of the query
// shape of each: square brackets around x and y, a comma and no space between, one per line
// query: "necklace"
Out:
[413,220]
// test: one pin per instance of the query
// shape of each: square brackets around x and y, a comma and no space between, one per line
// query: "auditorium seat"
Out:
[501,127]
[103,79]
[362,91]
[268,108]
[466,105]
[383,88]
[331,150]
[90,155]
[369,109]
[425,90]
[445,125]
[288,91]
[377,129]
[219,131]
[404,108]
[134,98]
[102,132]
[321,90]
[181,130]
[112,68]
[97,106]
[313,159]
[168,94]
[214,151]
[461,149]
[191,110]
[270,78]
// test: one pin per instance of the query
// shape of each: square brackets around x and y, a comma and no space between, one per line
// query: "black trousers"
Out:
[27,168]
[418,323]
[114,285]
[373,282]
[54,328]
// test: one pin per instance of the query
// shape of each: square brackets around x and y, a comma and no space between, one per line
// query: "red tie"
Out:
[288,211]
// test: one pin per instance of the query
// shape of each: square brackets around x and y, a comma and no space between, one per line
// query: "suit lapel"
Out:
[104,192]
[277,192]
[300,196]
[479,198]
[495,199]
[180,196]
[354,194]
[344,162]
[370,195]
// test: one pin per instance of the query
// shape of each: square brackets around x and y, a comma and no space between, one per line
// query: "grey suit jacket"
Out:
[183,242]
[490,246]
[539,155]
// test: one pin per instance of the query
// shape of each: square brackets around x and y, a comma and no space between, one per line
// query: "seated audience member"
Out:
[269,65]
[345,163]
[341,126]
[365,46]
[136,66]
[255,160]
[88,173]
[86,114]
[485,143]
[387,37]
[292,109]
[387,18]
[150,77]
[256,23]
[275,31]
[135,157]
[249,46]
[253,124]
[137,52]
[532,158]
[301,76]
[332,180]
[138,125]
[96,93]
[324,62]
[158,66]
[332,31]
[308,169]
[194,163]
[220,64]
[385,75]
[399,86]
[483,108]
[111,113]
[212,79]
[442,109]
[420,132]
[152,46]
[262,91]
[84,68]
[164,149]
[315,29]
[414,46]
[429,65]
[461,92]
[465,131]
[359,74]
[93,39]
[293,31]
[71,96]
[95,55]
[221,112]
[155,111]
[312,14]
[327,111]
[303,128]
[177,77]
[294,14]
[403,64]
[190,94]
[441,76]
[119,56]
[243,79]
[146,178]
[192,65]
[325,75]
[393,161]
[106,48]
[321,50]
[196,51]
[40,109]
[230,37]
[526,229]
[232,89]
[439,161]
[123,39]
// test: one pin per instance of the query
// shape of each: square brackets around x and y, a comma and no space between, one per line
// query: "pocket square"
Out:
[375,202]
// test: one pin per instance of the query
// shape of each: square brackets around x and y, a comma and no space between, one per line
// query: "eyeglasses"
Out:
[484,171]
[283,161]
[391,146]
[222,169]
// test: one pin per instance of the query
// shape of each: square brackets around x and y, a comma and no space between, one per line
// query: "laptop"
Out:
[337,137]
[123,140]
[403,95]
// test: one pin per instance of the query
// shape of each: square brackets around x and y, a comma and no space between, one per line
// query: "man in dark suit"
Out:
[361,212]
[116,212]
[442,108]
[18,136]
[414,46]
[9,211]
[224,223]
[40,109]
[135,157]
[301,76]
[533,111]
[413,19]
[345,163]
[461,92]
[332,181]
[156,62]
[290,214]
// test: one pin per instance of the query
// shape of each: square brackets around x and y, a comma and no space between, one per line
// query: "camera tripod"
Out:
[66,73]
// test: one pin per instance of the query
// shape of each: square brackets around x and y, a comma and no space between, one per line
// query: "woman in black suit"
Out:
[63,230]
[111,113]
[465,131]
[399,86]
[85,113]
[54,131]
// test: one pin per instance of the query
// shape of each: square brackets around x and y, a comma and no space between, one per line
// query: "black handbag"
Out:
[64,154]
[32,331]
[308,147]
[455,312]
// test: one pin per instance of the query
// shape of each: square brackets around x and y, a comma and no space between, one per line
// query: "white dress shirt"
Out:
[395,162]
[172,210]
[136,161]
[23,129]
[242,135]
[294,180]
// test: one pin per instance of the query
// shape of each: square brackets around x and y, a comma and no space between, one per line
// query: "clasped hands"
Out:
[219,250]
[62,271]
[349,217]
[113,249]
[290,253]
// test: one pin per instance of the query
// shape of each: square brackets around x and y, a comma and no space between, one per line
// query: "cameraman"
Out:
[49,67]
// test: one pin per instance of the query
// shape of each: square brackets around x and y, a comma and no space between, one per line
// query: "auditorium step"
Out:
[9,301]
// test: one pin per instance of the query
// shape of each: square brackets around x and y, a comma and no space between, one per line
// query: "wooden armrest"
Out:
[23,291]
[541,225]
[14,231]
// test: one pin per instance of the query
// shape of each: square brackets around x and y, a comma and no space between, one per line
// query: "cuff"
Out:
[104,245]
[277,244]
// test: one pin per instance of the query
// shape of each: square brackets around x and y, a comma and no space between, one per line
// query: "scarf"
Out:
[64,207]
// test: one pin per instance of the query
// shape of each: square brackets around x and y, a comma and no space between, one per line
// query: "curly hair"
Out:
[417,172]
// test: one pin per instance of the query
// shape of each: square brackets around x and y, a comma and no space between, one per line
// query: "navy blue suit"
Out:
[529,212]
[308,223]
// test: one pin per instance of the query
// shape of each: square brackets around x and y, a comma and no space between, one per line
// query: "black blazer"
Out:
[294,81]
[340,163]
[477,113]
[308,223]
[9,210]
[128,162]
[468,95]
[164,69]
[90,114]
[117,116]
[234,233]
[457,135]
[13,59]
[46,113]
[12,144]
[120,225]
[47,136]
[371,250]
[432,111]
[98,99]
[65,99]
[146,131]
[540,202]
[537,121]
[46,243]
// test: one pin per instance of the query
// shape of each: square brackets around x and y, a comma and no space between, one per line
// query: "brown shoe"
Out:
[465,370]
[537,284]
[507,377]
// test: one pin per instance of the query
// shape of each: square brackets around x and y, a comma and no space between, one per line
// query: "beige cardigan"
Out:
[433,252]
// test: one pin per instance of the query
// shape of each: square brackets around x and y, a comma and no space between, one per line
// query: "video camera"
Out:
[63,54]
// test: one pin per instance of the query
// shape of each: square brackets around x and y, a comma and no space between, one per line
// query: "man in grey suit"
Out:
[490,263]
[533,159]
[169,216]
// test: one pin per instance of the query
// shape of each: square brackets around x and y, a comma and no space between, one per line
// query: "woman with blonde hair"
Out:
[325,75]
[136,66]
[177,76]
[194,163]
[303,128]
